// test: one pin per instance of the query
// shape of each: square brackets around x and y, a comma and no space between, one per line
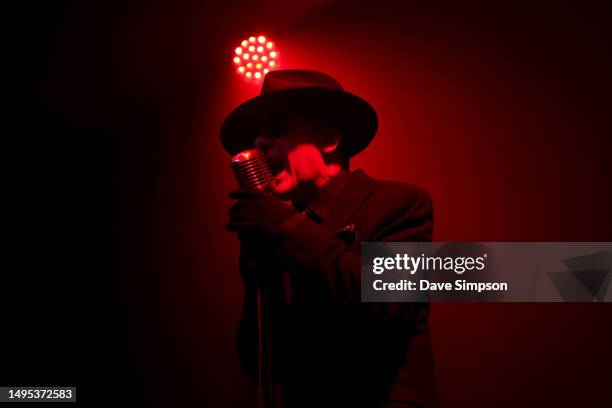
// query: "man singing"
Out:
[301,245]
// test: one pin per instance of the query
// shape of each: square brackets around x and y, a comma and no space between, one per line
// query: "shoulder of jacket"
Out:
[397,190]
[395,194]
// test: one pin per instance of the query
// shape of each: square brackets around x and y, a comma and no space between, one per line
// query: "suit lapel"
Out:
[352,195]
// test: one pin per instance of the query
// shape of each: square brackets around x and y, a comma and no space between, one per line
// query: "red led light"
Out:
[261,51]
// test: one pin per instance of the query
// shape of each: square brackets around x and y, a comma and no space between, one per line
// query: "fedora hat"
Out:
[312,94]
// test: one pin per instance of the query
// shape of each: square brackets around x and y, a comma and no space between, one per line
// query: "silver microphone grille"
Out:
[252,170]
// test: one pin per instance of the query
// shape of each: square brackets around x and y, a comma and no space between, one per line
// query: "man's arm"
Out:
[311,246]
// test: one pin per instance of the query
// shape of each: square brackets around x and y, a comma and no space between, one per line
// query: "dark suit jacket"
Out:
[328,348]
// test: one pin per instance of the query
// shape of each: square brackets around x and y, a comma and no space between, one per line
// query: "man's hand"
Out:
[257,211]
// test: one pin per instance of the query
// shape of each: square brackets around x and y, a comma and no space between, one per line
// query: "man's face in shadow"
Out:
[296,149]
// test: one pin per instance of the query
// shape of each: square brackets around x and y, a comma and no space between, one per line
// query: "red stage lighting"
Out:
[255,57]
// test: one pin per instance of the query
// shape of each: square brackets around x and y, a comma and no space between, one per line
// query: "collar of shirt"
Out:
[318,208]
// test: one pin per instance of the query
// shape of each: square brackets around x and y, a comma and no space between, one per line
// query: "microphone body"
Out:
[252,170]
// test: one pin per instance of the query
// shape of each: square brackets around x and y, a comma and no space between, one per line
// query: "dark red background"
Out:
[500,111]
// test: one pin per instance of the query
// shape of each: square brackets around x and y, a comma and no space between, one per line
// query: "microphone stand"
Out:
[264,369]
[253,171]
[252,247]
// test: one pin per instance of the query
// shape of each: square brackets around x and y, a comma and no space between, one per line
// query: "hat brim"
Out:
[351,115]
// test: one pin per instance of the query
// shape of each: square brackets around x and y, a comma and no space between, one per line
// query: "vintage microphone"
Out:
[252,171]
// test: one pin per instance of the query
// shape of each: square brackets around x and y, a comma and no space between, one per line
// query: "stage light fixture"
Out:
[260,50]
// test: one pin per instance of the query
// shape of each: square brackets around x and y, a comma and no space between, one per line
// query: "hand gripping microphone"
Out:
[252,170]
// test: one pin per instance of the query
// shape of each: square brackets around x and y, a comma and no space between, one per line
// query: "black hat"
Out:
[309,93]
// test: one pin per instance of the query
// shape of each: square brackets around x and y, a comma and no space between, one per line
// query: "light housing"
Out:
[254,57]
